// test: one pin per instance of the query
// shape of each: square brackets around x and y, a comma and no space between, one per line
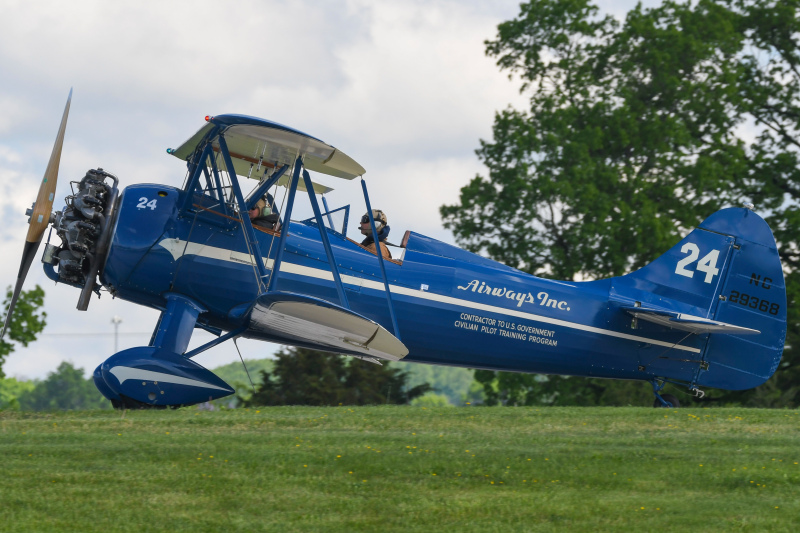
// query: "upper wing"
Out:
[691,323]
[253,139]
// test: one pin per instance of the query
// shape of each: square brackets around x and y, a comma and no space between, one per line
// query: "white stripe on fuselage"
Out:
[124,373]
[176,247]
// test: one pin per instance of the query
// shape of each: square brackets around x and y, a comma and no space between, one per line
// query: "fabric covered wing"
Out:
[682,321]
[296,318]
[254,138]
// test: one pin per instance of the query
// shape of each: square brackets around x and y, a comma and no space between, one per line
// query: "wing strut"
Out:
[250,236]
[287,217]
[196,169]
[264,186]
[337,279]
[323,233]
[248,226]
[328,213]
[380,258]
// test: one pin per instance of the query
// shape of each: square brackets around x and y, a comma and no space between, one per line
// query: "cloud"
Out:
[403,87]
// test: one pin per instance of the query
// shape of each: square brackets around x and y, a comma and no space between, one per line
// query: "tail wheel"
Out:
[669,398]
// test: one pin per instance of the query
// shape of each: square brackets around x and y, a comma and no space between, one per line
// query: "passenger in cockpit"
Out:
[261,214]
[383,232]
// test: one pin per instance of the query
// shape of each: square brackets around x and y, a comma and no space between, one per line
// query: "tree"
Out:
[508,388]
[26,323]
[451,381]
[309,377]
[66,388]
[636,131]
[10,391]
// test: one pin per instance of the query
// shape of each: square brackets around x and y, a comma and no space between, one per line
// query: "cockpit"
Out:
[268,153]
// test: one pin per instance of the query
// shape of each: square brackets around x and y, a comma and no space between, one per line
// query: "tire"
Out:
[129,403]
[667,398]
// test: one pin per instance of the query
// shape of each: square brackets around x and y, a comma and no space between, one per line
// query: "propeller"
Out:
[40,214]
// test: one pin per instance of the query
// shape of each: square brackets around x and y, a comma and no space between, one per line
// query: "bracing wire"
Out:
[661,355]
[251,252]
[286,222]
[245,366]
[280,212]
[225,179]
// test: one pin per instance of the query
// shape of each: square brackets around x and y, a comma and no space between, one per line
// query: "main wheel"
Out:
[669,398]
[129,403]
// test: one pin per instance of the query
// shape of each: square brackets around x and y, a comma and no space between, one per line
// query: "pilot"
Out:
[261,214]
[381,228]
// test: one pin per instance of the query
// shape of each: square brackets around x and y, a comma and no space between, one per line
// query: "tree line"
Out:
[298,376]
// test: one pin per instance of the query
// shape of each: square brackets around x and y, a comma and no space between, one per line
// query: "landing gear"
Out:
[663,400]
[163,374]
[129,403]
[666,400]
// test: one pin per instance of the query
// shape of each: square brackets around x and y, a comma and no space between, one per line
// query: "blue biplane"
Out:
[710,312]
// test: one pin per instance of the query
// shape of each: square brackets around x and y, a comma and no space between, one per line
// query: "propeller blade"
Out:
[27,258]
[40,216]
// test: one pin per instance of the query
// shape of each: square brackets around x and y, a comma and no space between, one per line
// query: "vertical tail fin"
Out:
[728,270]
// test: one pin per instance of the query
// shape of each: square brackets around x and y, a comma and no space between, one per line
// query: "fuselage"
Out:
[453,307]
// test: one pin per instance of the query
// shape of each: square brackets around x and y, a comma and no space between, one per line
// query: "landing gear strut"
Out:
[163,373]
[663,400]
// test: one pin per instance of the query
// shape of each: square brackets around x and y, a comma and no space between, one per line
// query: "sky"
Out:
[402,87]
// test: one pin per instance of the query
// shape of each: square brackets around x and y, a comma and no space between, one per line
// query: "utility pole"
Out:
[116,321]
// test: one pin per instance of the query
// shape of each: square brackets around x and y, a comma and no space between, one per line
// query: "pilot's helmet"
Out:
[261,205]
[379,216]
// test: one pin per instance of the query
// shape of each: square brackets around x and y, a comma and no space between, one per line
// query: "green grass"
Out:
[401,469]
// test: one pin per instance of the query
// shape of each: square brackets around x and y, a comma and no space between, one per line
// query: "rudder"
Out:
[754,296]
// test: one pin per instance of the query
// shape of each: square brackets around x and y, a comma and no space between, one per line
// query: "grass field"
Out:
[401,469]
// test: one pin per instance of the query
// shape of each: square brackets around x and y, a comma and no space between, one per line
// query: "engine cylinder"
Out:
[80,224]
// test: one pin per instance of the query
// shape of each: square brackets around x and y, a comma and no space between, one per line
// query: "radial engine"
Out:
[84,226]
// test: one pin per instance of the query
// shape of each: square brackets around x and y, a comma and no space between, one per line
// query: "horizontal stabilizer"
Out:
[306,321]
[690,323]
